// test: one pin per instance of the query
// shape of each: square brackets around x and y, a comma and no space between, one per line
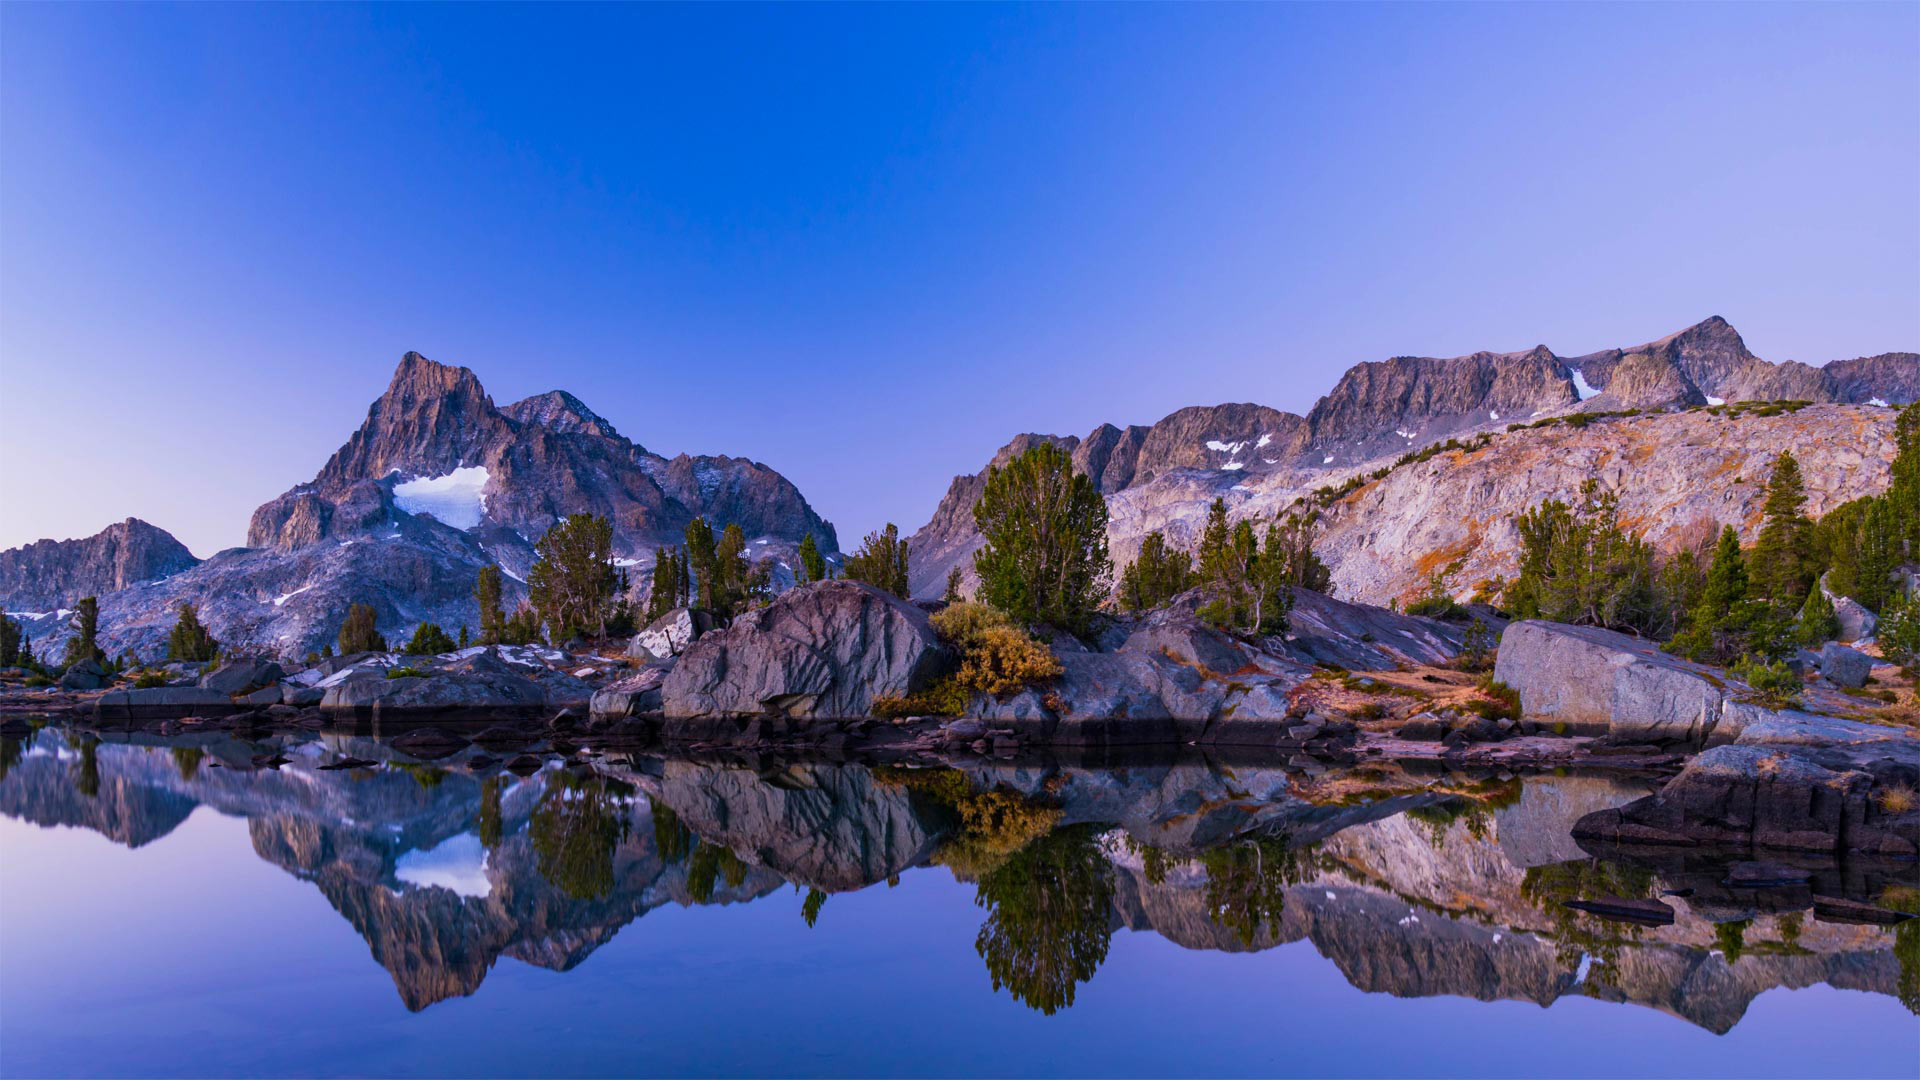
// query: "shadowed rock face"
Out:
[1415,894]
[47,575]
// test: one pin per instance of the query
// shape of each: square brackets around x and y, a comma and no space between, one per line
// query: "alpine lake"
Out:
[317,902]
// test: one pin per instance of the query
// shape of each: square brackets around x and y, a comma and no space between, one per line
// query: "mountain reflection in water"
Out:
[1415,884]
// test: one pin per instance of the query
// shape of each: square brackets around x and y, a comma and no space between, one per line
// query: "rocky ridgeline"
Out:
[1420,518]
[437,483]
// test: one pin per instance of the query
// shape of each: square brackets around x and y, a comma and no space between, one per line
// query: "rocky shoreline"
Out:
[1349,686]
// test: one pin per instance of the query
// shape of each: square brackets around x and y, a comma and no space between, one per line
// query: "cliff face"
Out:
[50,574]
[1260,459]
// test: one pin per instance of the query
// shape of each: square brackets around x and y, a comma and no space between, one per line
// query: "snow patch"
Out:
[1226,447]
[1328,460]
[1491,415]
[457,499]
[1586,965]
[1582,387]
[281,600]
[1403,433]
[1264,440]
[457,864]
[1232,465]
[1881,402]
[1711,400]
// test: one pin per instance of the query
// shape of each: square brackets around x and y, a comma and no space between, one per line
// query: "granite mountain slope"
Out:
[47,575]
[1162,476]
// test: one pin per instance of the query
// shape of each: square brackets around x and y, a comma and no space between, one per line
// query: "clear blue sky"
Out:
[867,244]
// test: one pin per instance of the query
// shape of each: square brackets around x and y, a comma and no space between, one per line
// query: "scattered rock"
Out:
[1856,622]
[1843,666]
[1621,909]
[242,676]
[1836,909]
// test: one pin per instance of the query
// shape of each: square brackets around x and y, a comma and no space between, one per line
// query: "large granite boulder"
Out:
[670,634]
[242,676]
[632,694]
[1845,667]
[824,650]
[445,690]
[1856,622]
[1792,781]
[1597,682]
[85,674]
[163,701]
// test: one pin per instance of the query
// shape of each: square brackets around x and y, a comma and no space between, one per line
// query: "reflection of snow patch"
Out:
[456,499]
[1581,386]
[458,863]
[1711,400]
[626,562]
[281,600]
[1586,965]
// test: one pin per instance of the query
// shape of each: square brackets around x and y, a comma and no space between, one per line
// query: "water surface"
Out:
[167,908]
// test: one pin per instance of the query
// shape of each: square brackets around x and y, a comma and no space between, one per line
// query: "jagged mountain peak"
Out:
[560,411]
[48,575]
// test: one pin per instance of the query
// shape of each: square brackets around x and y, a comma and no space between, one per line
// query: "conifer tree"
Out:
[572,583]
[668,589]
[463,635]
[732,588]
[813,565]
[429,640]
[1045,557]
[952,595]
[84,644]
[1726,622]
[11,634]
[1158,575]
[492,618]
[1783,563]
[359,633]
[881,562]
[702,560]
[1818,623]
[189,640]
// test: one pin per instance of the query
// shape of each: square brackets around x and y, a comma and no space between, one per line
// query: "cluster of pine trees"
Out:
[1248,579]
[881,562]
[1580,564]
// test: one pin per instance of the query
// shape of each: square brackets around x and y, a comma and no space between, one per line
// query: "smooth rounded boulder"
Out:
[821,651]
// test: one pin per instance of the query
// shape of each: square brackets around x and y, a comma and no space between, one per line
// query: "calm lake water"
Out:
[168,909]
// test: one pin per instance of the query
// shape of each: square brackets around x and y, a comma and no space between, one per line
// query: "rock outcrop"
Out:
[821,651]
[48,575]
[1598,682]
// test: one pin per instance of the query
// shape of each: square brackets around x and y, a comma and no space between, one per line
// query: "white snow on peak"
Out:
[1232,465]
[1491,415]
[457,499]
[281,600]
[1711,400]
[1264,440]
[1226,447]
[458,864]
[1403,433]
[1882,402]
[1581,386]
[1328,460]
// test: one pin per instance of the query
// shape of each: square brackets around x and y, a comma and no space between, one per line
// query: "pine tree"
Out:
[1818,623]
[359,633]
[702,560]
[10,635]
[1158,575]
[189,640]
[1903,493]
[84,644]
[732,589]
[813,565]
[668,589]
[1045,557]
[464,640]
[522,627]
[1783,563]
[1726,622]
[429,640]
[881,562]
[952,595]
[572,582]
[487,592]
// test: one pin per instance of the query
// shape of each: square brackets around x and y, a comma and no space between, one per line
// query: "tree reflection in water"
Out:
[575,829]
[1247,884]
[1050,910]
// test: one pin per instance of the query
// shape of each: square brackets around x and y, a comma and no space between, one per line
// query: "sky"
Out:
[866,245]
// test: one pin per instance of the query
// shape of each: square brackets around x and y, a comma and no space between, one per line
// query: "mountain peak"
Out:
[560,411]
[417,379]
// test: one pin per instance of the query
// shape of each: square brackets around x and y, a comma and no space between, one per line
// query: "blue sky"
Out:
[866,245]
